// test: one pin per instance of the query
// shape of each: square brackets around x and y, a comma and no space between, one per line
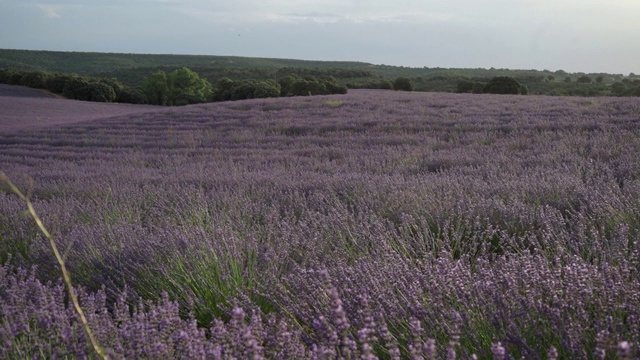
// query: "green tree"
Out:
[584,79]
[242,90]
[77,88]
[333,86]
[186,87]
[131,95]
[223,89]
[265,89]
[35,79]
[12,76]
[117,87]
[156,87]
[101,92]
[300,87]
[402,84]
[503,85]
[5,75]
[307,87]
[465,86]
[619,89]
[58,82]
[286,83]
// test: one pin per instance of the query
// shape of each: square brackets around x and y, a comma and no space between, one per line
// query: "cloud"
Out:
[49,10]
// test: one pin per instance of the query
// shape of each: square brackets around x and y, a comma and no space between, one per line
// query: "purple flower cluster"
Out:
[391,225]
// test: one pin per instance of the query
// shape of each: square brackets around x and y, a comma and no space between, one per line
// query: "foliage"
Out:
[227,89]
[584,79]
[10,76]
[402,84]
[132,69]
[307,87]
[77,88]
[58,81]
[63,269]
[156,88]
[503,85]
[186,87]
[466,86]
[35,79]
[74,86]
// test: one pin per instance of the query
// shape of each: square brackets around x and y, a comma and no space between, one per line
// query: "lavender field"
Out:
[373,224]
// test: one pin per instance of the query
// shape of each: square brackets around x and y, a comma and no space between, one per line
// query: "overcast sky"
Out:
[572,35]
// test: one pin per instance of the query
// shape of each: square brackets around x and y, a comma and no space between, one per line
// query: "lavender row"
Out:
[38,322]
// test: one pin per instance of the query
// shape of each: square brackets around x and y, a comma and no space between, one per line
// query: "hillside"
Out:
[131,69]
[89,63]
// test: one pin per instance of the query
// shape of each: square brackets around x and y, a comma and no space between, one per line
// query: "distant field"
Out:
[367,222]
[22,107]
[23,91]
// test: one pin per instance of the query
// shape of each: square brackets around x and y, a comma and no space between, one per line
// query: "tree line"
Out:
[181,86]
[73,86]
[583,85]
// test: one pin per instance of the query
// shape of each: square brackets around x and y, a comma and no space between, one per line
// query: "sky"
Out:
[573,35]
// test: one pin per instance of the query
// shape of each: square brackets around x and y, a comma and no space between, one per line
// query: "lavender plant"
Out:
[391,226]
